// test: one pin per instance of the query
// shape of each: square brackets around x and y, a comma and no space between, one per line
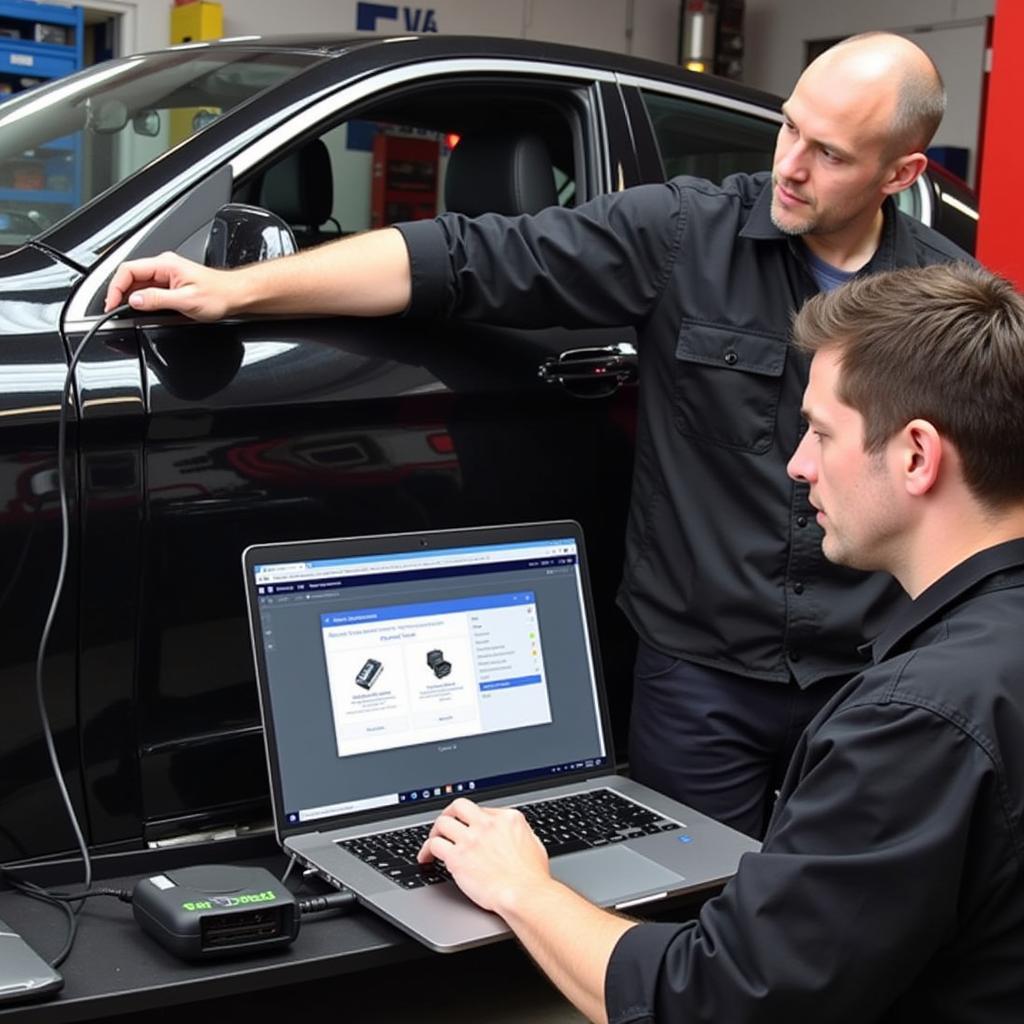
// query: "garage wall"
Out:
[951,32]
[776,31]
[646,28]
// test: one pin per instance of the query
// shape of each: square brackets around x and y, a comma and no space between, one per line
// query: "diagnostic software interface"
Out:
[413,677]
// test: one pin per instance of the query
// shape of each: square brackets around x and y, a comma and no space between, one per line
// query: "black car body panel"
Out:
[192,441]
[33,291]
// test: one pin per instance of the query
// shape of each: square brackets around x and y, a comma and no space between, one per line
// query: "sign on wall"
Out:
[379,18]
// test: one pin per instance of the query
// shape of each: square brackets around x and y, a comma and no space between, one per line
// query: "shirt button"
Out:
[801,521]
[794,655]
[731,357]
[798,588]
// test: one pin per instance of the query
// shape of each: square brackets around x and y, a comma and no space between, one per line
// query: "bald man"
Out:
[744,629]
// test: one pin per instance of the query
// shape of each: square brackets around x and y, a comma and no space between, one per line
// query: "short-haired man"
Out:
[890,886]
[745,630]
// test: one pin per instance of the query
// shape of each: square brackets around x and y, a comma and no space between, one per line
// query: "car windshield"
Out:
[64,143]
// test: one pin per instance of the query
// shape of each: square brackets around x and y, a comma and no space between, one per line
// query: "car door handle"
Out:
[591,372]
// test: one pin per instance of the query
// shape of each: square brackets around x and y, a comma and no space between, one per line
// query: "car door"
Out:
[263,429]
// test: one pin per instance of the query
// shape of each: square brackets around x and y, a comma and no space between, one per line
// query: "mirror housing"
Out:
[242,234]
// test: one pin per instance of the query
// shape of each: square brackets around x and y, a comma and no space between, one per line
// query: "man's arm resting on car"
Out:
[365,275]
[500,864]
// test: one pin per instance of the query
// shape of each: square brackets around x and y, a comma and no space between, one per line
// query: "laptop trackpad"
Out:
[612,874]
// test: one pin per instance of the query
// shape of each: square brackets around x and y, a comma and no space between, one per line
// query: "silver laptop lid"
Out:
[399,671]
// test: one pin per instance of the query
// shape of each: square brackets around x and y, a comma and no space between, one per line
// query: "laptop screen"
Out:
[405,678]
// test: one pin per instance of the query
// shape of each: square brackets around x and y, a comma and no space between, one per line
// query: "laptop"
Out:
[398,672]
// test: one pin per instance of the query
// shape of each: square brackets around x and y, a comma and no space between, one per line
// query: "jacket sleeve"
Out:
[603,263]
[850,897]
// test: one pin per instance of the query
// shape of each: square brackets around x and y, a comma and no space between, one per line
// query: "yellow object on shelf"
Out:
[192,23]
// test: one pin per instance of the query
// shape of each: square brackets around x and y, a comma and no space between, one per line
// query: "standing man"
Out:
[745,630]
[890,885]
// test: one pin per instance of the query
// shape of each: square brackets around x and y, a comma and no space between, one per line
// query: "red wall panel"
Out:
[1001,223]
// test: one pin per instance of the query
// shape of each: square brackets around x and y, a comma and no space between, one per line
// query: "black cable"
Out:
[343,901]
[51,896]
[65,903]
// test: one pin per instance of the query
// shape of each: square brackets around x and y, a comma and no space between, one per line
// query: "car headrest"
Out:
[499,173]
[300,188]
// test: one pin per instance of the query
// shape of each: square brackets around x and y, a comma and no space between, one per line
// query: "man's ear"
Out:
[921,455]
[903,172]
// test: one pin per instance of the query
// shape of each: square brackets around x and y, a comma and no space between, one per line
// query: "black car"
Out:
[192,441]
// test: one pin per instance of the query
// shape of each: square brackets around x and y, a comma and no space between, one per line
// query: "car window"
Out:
[63,144]
[708,141]
[390,163]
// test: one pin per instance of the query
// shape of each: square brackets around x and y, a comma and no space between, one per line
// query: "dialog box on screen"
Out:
[419,673]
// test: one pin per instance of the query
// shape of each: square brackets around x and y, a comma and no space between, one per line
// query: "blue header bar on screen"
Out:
[409,611]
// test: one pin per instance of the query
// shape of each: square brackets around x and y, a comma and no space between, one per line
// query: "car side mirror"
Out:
[242,234]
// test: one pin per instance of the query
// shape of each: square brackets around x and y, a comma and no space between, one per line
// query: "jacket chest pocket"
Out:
[727,386]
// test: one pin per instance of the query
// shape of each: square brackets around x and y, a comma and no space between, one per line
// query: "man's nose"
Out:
[793,163]
[801,465]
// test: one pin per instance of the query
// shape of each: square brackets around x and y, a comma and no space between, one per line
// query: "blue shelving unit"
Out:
[39,42]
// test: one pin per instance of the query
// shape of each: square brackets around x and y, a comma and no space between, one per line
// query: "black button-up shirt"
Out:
[890,886]
[723,557]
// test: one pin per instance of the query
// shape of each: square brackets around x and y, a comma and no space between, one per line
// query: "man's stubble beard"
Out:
[794,231]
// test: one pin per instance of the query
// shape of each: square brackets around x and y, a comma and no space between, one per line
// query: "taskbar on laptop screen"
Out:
[441,794]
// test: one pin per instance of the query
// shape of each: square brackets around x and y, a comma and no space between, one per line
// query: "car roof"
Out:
[401,49]
[345,58]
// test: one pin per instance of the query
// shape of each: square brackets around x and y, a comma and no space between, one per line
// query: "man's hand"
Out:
[491,853]
[169,281]
[499,863]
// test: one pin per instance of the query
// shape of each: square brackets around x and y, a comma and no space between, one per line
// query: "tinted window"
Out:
[390,162]
[708,142]
[63,144]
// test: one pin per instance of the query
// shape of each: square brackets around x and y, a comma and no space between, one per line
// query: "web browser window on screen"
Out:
[410,676]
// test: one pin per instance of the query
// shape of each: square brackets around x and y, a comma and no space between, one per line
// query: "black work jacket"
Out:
[890,886]
[723,557]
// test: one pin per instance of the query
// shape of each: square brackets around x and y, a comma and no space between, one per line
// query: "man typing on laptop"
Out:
[889,887]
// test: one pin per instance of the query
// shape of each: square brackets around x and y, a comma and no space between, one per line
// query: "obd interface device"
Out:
[368,674]
[440,667]
[216,910]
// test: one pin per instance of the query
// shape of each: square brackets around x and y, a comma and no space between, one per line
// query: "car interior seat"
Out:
[300,190]
[508,173]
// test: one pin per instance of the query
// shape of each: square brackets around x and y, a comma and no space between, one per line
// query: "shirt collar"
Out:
[759,224]
[895,247]
[948,590]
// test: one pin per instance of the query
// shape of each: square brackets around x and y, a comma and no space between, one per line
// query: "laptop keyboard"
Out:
[563,824]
